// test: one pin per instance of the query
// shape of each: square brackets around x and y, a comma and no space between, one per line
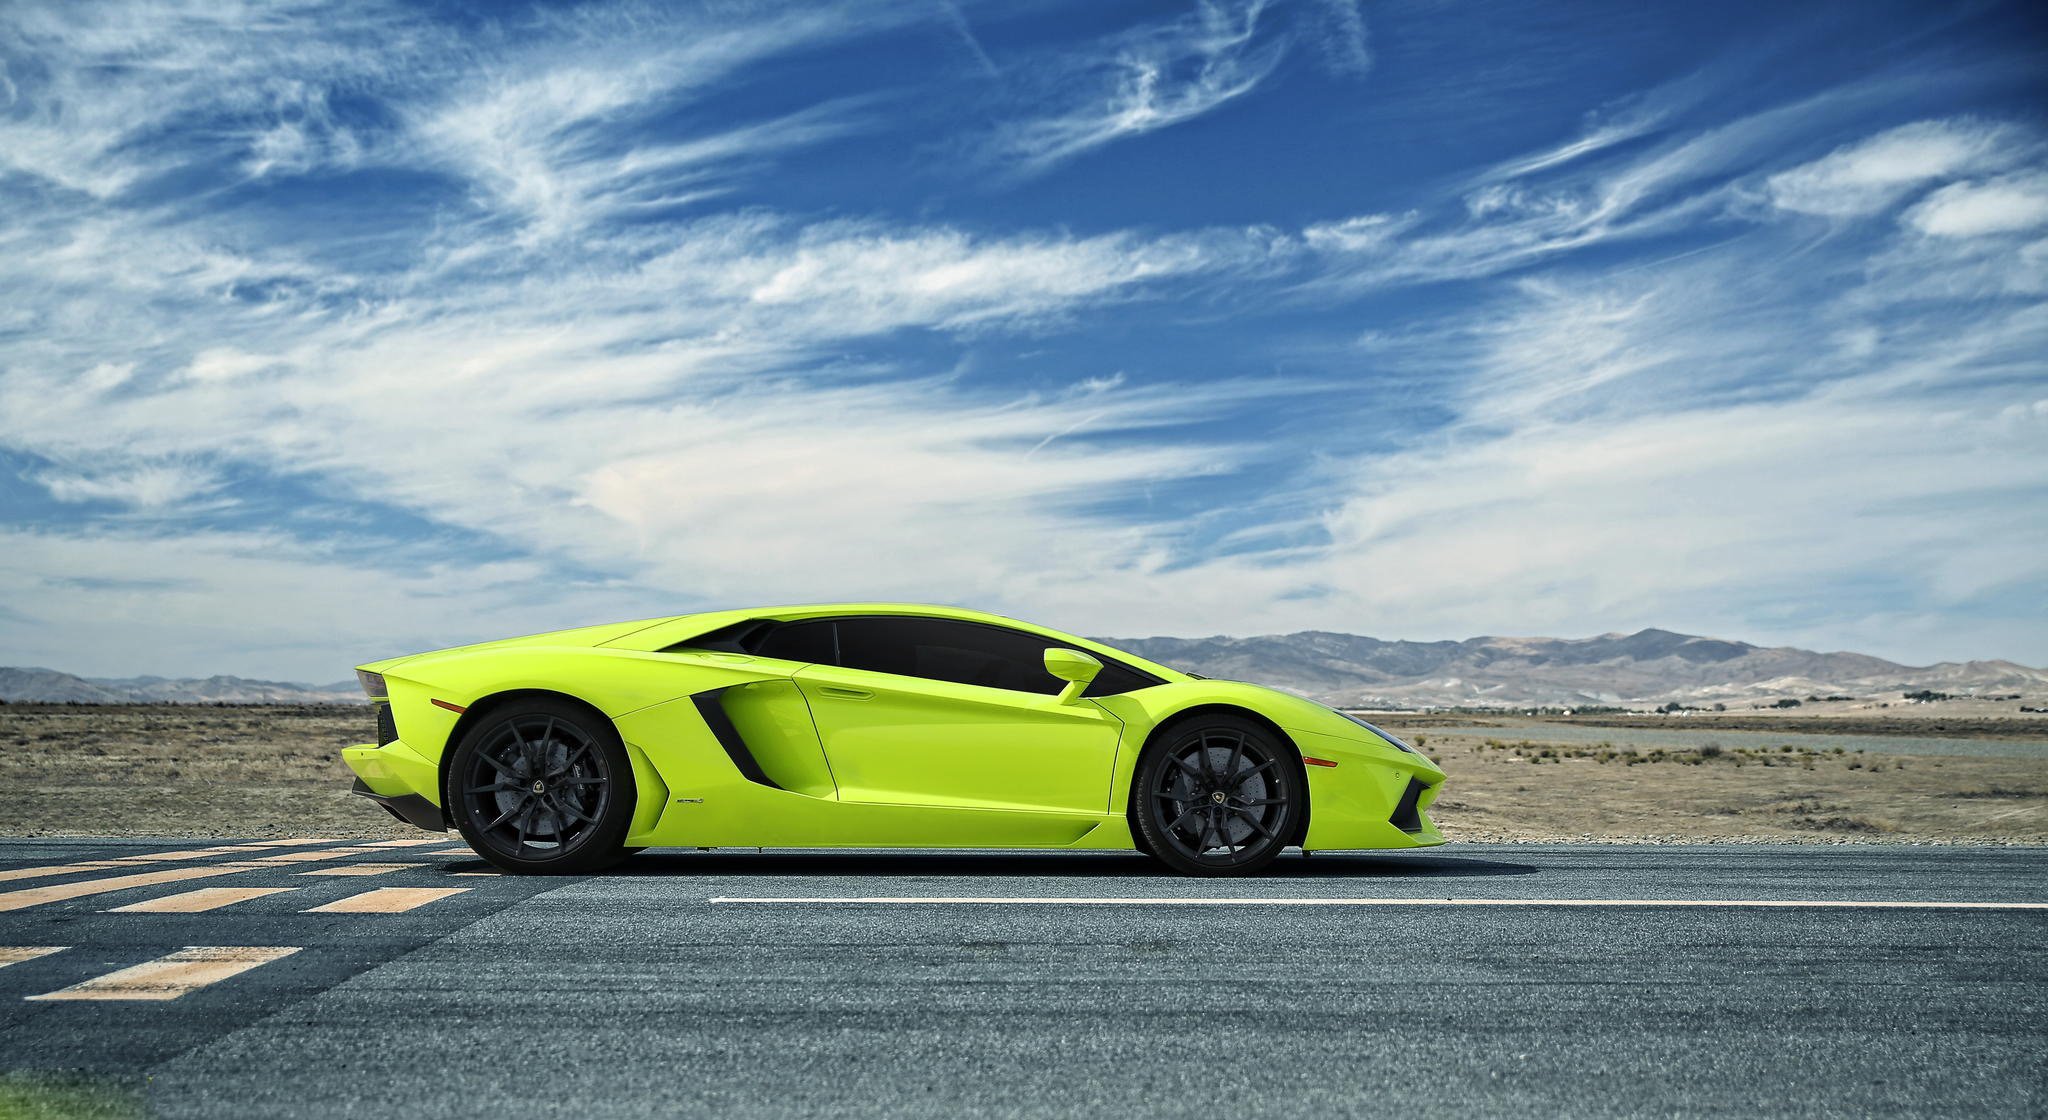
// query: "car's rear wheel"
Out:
[542,787]
[1218,795]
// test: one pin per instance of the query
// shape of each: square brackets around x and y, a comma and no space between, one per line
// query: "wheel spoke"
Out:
[561,806]
[573,759]
[1183,819]
[1255,822]
[1230,778]
[1255,803]
[579,781]
[504,768]
[499,787]
[509,813]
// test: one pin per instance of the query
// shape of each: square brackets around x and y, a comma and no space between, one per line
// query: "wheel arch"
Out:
[486,706]
[1165,726]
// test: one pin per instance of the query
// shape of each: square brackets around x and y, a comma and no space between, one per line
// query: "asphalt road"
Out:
[690,983]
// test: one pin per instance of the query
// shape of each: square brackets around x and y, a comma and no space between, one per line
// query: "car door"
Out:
[930,711]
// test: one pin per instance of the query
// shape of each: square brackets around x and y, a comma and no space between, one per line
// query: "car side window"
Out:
[964,653]
[815,641]
[933,648]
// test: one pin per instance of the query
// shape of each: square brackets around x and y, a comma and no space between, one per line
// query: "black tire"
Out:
[1218,795]
[542,787]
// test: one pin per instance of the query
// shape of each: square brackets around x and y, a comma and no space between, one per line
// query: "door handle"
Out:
[838,692]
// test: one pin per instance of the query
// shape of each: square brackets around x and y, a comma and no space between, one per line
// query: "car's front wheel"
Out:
[1218,795]
[542,787]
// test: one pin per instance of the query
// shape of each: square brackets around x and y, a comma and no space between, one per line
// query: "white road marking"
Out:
[387,900]
[55,869]
[122,861]
[361,869]
[15,954]
[315,856]
[177,974]
[37,896]
[408,843]
[1764,903]
[196,853]
[199,901]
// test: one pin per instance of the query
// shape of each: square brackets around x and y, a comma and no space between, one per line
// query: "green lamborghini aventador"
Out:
[865,725]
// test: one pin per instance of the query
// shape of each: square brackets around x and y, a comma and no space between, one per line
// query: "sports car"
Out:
[869,726]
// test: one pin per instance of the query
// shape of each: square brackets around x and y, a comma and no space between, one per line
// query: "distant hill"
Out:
[1644,669]
[1650,667]
[48,686]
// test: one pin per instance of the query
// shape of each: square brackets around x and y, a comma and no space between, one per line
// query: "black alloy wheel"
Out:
[1218,796]
[543,787]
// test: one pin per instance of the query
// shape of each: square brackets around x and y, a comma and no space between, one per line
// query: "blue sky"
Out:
[334,331]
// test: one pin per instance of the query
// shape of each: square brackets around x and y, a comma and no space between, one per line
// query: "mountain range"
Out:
[1647,668]
[48,686]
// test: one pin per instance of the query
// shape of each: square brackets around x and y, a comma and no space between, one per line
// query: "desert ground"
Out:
[1911,775]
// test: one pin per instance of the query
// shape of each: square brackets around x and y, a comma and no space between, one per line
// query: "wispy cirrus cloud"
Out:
[2009,204]
[1161,74]
[1871,174]
[99,98]
[557,131]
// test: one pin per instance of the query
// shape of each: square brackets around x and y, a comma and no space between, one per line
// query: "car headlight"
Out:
[1392,739]
[373,684]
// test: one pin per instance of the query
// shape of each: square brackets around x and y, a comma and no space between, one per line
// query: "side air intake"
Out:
[1407,816]
[728,736]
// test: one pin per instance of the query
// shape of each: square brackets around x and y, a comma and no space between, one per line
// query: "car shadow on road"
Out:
[1064,865]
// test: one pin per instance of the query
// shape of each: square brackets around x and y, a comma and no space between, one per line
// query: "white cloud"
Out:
[1704,518]
[95,87]
[1868,176]
[537,131]
[1342,38]
[1357,235]
[1150,78]
[678,421]
[2009,205]
[225,363]
[148,487]
[119,601]
[856,280]
[106,376]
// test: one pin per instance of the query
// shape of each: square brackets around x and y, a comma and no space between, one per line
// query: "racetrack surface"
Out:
[744,984]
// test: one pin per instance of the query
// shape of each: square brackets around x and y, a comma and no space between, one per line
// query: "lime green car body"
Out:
[818,755]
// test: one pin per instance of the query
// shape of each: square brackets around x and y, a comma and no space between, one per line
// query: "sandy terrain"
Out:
[269,771]
[185,771]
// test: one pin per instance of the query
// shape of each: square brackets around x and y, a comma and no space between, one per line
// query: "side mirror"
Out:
[1075,668]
